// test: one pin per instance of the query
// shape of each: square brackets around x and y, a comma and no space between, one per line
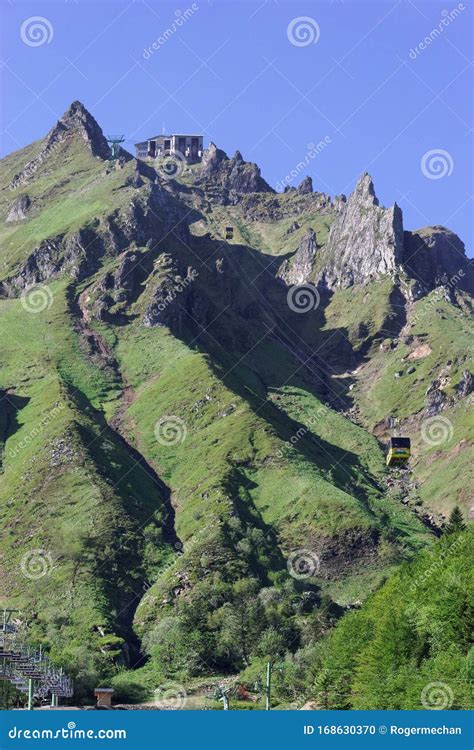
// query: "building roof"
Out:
[171,135]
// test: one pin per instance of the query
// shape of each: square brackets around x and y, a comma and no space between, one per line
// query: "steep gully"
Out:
[99,349]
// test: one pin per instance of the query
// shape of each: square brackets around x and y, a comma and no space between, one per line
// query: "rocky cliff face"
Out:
[435,256]
[299,268]
[225,179]
[365,241]
[20,209]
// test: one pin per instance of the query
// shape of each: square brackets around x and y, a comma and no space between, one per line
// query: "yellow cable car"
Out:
[229,233]
[399,451]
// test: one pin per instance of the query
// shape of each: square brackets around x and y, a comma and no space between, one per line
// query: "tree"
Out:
[242,622]
[456,521]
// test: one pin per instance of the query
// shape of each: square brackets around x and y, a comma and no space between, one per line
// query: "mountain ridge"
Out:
[252,429]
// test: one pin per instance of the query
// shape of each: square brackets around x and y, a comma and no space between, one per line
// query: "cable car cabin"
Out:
[229,233]
[398,451]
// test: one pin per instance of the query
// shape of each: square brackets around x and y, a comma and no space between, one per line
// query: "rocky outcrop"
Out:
[75,254]
[298,269]
[365,241]
[118,286]
[225,179]
[76,122]
[435,256]
[436,399]
[437,396]
[339,203]
[149,216]
[170,300]
[466,385]
[305,186]
[20,209]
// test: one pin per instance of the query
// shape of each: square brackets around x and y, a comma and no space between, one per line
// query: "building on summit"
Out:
[188,146]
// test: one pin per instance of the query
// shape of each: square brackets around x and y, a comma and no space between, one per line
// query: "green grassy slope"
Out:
[165,475]
[437,344]
[84,525]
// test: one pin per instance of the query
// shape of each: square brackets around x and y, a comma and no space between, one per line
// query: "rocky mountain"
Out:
[193,429]
[367,242]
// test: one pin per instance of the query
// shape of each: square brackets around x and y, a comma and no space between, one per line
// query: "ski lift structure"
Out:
[115,143]
[27,668]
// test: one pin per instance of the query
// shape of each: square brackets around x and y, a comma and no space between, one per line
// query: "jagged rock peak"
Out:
[305,186]
[364,190]
[77,119]
[365,241]
[75,122]
[212,158]
[231,177]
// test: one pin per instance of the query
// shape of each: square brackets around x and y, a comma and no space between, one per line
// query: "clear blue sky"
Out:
[230,71]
